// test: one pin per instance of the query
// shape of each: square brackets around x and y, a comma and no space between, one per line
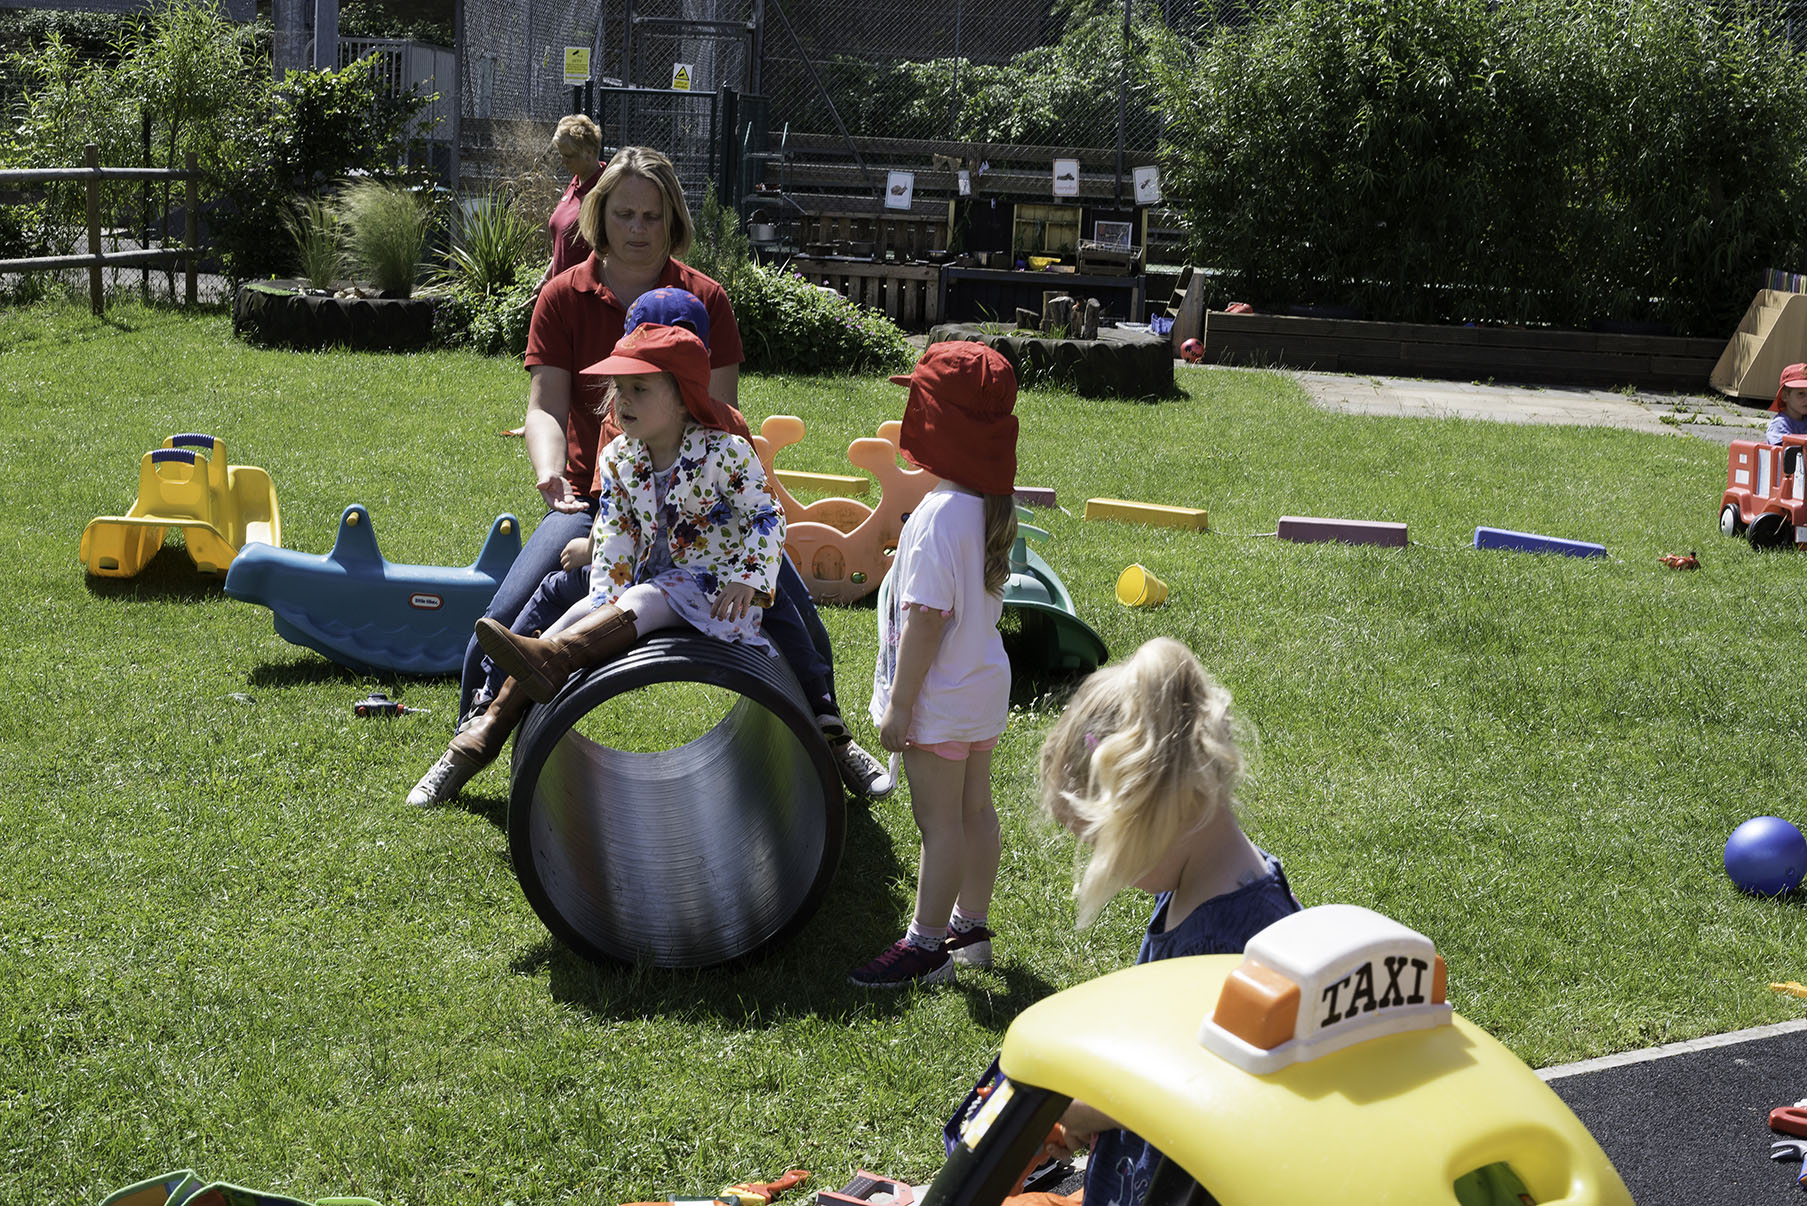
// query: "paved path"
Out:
[1709,416]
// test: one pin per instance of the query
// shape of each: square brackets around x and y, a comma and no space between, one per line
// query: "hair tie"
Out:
[1091,740]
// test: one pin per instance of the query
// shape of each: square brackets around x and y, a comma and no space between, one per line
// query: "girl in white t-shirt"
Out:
[941,686]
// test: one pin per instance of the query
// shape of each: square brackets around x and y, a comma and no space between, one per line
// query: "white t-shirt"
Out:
[940,564]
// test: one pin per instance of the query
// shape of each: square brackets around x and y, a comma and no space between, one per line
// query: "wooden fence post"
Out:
[96,294]
[190,234]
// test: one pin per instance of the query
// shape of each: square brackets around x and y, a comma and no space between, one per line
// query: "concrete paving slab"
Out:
[1705,415]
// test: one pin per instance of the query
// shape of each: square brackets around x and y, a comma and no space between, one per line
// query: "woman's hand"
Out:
[575,554]
[558,495]
[733,602]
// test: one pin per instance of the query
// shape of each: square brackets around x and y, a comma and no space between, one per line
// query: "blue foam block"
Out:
[1530,542]
[366,613]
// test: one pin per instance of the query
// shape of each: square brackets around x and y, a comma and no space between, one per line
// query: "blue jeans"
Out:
[539,557]
[536,592]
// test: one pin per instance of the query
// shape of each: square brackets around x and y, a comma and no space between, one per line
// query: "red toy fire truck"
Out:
[1766,493]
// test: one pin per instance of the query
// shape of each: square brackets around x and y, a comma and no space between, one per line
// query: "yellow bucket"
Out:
[1136,587]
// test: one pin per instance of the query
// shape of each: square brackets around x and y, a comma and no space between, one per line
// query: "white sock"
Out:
[927,939]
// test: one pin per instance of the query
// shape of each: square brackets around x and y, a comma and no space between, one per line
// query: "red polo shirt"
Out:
[569,247]
[578,320]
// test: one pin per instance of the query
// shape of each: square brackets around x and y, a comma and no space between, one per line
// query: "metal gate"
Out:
[684,125]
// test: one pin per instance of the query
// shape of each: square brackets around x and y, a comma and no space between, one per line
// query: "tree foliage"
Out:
[1556,161]
[204,85]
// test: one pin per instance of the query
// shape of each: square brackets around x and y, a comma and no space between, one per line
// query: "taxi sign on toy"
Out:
[1321,980]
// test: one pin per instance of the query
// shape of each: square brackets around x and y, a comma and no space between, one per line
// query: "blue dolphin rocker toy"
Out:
[365,613]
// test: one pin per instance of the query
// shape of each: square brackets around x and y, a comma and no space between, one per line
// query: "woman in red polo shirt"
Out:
[636,223]
[577,142]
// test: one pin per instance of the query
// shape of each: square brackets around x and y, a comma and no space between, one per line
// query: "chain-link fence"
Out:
[980,71]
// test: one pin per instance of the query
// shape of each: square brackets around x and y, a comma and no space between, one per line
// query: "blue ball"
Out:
[1766,856]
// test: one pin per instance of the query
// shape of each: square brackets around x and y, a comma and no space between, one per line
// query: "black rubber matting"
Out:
[1689,1126]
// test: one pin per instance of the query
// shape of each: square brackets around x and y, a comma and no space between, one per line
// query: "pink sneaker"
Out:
[903,964]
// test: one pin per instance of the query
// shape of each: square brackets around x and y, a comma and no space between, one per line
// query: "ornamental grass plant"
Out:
[387,227]
[313,223]
[229,944]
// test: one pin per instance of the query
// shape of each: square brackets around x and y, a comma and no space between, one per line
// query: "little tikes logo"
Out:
[421,601]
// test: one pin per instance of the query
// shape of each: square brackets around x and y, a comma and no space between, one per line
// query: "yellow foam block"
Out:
[1149,513]
[830,483]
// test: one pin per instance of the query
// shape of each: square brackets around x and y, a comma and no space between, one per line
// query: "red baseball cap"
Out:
[1793,377]
[958,422]
[651,348]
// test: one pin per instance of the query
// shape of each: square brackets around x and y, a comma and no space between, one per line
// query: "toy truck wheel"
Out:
[1730,522]
[1770,531]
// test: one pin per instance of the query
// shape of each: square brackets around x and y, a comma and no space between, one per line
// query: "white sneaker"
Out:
[863,774]
[442,780]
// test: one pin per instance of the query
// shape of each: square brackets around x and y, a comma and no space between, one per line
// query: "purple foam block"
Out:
[1035,496]
[1309,529]
[1530,542]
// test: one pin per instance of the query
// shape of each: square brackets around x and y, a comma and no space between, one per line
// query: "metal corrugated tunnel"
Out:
[711,851]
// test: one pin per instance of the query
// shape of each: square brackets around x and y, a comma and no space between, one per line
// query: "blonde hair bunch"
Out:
[1000,535]
[1144,754]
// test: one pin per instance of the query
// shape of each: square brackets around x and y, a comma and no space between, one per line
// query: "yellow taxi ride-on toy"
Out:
[186,485]
[1322,1065]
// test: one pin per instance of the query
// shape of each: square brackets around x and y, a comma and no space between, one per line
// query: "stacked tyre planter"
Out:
[287,314]
[1121,364]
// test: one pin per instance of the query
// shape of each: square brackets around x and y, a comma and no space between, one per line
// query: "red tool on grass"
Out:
[379,704]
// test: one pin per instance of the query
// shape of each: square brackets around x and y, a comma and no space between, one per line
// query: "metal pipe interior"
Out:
[684,857]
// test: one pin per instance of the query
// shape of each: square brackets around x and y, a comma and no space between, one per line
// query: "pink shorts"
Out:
[956,751]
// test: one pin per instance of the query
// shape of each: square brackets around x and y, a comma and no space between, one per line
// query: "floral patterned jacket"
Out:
[724,523]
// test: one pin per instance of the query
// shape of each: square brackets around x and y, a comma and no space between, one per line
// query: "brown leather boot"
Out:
[482,739]
[474,747]
[542,665]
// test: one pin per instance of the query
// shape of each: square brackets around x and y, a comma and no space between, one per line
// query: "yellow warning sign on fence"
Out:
[680,76]
[577,65]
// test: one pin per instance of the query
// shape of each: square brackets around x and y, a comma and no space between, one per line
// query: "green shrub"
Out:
[386,228]
[492,323]
[720,250]
[204,82]
[788,325]
[314,226]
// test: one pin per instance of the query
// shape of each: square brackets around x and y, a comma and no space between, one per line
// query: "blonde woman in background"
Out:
[578,144]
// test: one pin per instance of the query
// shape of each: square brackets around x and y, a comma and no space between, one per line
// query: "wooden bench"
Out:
[908,294]
[1529,354]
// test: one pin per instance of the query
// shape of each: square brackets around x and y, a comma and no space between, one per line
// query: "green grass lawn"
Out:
[229,945]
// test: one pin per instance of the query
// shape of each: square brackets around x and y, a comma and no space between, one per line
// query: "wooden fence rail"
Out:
[96,260]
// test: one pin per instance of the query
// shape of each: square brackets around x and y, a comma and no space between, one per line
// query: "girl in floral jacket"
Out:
[686,532]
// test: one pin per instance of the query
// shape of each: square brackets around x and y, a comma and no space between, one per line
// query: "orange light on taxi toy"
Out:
[1259,1006]
[1439,982]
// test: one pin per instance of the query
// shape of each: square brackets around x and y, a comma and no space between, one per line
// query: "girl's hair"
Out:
[1000,534]
[647,164]
[1143,755]
[576,133]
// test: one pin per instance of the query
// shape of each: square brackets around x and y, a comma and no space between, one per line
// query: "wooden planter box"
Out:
[1460,353]
[908,294]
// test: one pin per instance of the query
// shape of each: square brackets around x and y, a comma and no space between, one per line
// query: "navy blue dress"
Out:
[1122,1162]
